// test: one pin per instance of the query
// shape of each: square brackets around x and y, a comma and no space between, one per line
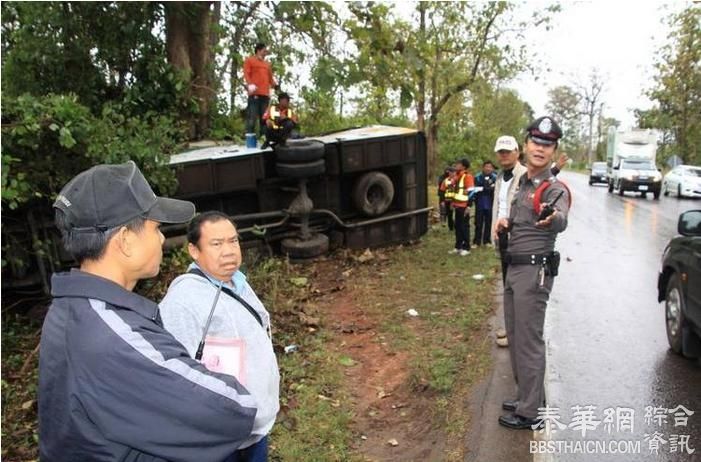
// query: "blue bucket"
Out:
[251,141]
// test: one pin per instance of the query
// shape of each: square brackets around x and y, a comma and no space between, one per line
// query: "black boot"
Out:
[517,422]
[510,405]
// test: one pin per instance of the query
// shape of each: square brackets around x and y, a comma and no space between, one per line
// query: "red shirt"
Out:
[258,72]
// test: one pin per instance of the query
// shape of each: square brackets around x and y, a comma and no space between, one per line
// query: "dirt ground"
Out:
[388,408]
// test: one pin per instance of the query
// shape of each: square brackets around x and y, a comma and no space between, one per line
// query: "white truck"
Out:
[630,159]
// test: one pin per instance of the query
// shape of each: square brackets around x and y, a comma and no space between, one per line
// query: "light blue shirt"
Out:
[238,279]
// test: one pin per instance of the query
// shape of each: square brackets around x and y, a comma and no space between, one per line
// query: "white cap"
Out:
[505,143]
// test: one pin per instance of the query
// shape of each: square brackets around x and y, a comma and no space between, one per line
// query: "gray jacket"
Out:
[185,309]
[114,385]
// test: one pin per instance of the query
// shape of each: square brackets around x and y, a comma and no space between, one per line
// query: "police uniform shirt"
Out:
[525,237]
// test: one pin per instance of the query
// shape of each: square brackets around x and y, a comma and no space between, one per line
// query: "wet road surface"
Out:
[605,330]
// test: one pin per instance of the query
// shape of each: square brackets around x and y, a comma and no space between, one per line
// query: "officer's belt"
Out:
[528,258]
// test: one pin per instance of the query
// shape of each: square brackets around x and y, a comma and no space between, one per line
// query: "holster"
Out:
[552,266]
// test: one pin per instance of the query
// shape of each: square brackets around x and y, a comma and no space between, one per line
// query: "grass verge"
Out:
[446,344]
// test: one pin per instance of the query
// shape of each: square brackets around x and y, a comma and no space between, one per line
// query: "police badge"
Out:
[545,125]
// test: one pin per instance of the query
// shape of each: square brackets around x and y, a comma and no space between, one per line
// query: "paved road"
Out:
[605,330]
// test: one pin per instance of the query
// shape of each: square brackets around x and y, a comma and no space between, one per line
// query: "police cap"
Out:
[544,130]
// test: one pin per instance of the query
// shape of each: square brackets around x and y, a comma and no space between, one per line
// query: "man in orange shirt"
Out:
[259,80]
[464,181]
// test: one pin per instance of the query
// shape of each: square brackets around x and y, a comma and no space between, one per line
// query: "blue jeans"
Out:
[257,105]
[255,453]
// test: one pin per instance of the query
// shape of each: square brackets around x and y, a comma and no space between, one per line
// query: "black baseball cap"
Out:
[544,130]
[107,196]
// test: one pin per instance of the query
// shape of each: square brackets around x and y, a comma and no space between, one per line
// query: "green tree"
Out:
[471,126]
[677,89]
[447,50]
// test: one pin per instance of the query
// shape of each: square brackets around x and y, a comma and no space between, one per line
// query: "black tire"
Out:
[373,193]
[295,248]
[610,186]
[299,151]
[674,308]
[304,170]
[656,195]
[590,183]
[666,191]
[679,191]
[620,189]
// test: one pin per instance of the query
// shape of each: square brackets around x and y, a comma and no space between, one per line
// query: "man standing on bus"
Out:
[258,75]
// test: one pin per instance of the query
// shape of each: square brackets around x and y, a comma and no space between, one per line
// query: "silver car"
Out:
[683,180]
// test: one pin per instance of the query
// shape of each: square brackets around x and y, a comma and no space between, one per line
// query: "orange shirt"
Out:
[259,73]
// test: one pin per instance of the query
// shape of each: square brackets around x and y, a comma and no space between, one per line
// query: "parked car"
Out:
[683,180]
[679,286]
[598,173]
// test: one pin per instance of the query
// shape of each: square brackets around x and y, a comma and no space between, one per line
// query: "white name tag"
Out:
[227,356]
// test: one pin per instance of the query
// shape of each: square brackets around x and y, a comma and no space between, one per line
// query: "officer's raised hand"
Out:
[549,216]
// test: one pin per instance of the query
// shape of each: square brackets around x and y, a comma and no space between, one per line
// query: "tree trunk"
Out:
[432,146]
[235,56]
[188,27]
[421,95]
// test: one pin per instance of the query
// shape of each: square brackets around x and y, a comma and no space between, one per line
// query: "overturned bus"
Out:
[358,188]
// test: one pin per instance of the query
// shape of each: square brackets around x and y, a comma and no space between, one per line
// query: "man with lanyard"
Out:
[483,199]
[280,121]
[214,312]
[463,183]
[114,385]
[538,214]
[258,75]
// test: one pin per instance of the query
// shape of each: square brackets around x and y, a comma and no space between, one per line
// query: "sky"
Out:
[618,38]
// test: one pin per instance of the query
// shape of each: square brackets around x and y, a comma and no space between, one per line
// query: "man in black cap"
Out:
[537,215]
[113,383]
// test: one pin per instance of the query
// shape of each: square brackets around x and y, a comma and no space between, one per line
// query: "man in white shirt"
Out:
[511,170]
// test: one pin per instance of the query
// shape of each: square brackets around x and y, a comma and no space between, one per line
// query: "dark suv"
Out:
[679,285]
[598,173]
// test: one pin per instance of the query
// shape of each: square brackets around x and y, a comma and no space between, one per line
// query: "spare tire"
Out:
[304,170]
[299,151]
[373,193]
[295,248]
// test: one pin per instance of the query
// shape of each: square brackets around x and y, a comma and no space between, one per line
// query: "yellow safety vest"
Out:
[449,192]
[460,192]
[274,114]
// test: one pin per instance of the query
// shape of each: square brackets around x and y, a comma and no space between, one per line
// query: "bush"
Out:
[48,140]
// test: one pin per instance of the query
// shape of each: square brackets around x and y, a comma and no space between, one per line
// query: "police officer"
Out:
[538,214]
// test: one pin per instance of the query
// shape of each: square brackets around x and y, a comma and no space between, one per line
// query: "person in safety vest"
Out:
[463,183]
[280,121]
[445,196]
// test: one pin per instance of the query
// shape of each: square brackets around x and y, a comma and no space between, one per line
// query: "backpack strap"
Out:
[232,294]
[541,189]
